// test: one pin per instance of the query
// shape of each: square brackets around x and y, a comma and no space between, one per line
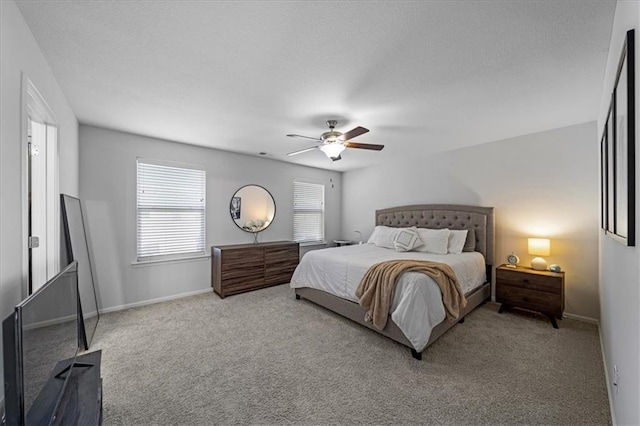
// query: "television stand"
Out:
[81,402]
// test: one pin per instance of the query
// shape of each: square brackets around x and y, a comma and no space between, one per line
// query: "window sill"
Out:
[313,243]
[143,263]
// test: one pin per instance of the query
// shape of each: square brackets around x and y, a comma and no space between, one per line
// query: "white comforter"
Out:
[417,304]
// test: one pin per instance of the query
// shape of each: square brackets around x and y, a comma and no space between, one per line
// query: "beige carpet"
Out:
[265,358]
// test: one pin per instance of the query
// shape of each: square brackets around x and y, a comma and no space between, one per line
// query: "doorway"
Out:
[41,218]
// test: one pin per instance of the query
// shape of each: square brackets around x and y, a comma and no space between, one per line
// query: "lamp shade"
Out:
[539,246]
[332,150]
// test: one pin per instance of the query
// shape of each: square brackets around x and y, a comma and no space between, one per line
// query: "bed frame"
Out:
[435,216]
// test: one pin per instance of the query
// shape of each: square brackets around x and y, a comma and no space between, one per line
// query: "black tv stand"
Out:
[81,402]
[68,367]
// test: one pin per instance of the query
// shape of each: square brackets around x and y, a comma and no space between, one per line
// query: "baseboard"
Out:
[604,360]
[606,378]
[582,318]
[153,301]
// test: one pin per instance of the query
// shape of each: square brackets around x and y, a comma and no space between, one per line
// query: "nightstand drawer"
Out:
[541,301]
[544,283]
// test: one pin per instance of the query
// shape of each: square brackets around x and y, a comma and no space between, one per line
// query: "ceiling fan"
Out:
[333,142]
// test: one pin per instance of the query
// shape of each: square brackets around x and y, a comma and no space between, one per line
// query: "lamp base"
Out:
[539,264]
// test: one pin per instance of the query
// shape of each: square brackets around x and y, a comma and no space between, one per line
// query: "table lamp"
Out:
[539,247]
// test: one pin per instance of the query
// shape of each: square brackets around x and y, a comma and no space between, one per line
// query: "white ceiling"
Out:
[238,76]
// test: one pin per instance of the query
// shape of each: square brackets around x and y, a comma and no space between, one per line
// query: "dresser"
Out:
[541,291]
[244,267]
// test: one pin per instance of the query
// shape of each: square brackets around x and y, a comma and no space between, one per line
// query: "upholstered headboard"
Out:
[451,216]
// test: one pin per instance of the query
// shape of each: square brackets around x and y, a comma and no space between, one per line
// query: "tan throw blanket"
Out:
[375,291]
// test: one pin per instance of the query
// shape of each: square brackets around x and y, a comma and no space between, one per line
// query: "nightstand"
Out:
[340,243]
[522,287]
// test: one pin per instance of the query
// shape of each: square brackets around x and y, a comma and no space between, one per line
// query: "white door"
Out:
[37,205]
[41,203]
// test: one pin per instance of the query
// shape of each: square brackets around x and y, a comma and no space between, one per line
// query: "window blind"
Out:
[170,210]
[308,212]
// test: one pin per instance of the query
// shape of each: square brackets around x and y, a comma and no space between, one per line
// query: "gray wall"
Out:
[620,265]
[21,55]
[543,184]
[108,191]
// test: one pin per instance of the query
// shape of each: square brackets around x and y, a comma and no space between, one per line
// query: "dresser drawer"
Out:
[238,274]
[540,301]
[237,284]
[280,274]
[248,258]
[275,254]
[544,283]
[247,264]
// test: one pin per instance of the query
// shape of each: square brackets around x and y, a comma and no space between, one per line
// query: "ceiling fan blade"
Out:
[370,146]
[304,137]
[302,150]
[353,133]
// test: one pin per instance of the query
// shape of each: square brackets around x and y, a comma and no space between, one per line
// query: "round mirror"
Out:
[252,208]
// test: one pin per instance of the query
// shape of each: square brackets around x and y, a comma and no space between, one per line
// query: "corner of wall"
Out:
[619,265]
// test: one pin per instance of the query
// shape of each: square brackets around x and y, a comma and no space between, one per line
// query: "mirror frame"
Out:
[77,246]
[235,194]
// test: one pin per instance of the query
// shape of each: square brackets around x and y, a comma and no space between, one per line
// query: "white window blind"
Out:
[170,210]
[308,212]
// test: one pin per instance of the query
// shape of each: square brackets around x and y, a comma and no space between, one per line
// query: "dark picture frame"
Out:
[617,152]
[235,207]
[604,206]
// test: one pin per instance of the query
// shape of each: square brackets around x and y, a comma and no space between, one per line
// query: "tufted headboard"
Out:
[451,216]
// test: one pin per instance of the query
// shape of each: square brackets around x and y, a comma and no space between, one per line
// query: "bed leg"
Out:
[417,355]
[297,297]
[461,321]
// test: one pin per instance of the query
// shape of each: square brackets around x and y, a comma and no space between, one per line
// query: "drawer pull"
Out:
[526,281]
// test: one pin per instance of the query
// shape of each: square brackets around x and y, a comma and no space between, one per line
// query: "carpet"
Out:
[265,358]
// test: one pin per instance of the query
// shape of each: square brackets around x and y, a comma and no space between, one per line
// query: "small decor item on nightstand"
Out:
[555,268]
[512,261]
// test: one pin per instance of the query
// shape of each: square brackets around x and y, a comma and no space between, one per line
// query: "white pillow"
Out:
[406,240]
[456,241]
[434,241]
[383,236]
[373,234]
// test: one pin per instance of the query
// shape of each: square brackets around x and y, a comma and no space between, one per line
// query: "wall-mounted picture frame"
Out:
[611,193]
[604,213]
[235,208]
[617,153]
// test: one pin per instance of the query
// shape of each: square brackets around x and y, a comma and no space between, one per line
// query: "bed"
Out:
[328,277]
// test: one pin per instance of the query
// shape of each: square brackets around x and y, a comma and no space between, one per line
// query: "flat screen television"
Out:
[42,331]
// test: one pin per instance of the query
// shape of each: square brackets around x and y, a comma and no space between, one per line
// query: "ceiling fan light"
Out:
[332,150]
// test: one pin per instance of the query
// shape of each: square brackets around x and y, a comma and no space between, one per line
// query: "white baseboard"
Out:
[153,301]
[604,360]
[606,377]
[582,318]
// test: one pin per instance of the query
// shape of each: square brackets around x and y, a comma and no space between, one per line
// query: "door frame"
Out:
[34,105]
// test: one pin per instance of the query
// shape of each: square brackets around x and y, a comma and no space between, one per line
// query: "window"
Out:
[170,210]
[308,212]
